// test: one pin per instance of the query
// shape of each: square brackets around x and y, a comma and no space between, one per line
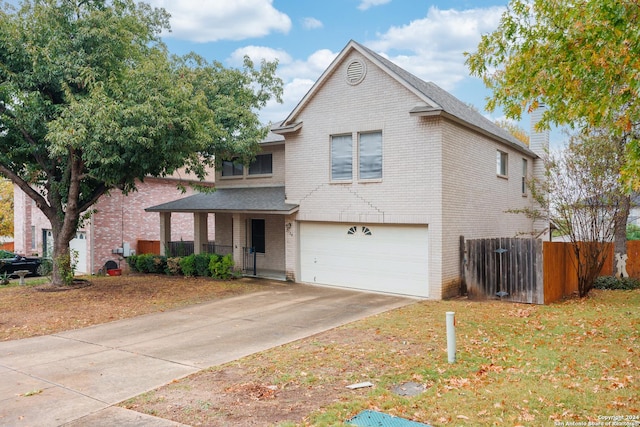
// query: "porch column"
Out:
[291,239]
[165,232]
[238,239]
[200,231]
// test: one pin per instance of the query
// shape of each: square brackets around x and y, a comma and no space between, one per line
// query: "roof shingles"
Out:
[263,199]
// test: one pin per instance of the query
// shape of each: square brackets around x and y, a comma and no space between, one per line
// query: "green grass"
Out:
[517,365]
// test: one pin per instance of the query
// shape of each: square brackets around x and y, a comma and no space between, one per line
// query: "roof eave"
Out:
[431,112]
[230,211]
[293,127]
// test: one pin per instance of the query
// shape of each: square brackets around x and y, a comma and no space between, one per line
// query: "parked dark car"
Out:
[10,263]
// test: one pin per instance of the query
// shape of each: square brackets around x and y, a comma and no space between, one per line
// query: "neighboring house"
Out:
[369,184]
[634,211]
[115,227]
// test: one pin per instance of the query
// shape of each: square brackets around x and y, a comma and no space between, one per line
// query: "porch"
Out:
[250,223]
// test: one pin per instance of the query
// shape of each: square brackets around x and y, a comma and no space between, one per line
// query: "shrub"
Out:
[46,267]
[188,265]
[5,254]
[150,263]
[201,264]
[173,266]
[132,262]
[612,282]
[66,267]
[221,267]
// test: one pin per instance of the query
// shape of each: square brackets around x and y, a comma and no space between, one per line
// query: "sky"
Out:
[425,37]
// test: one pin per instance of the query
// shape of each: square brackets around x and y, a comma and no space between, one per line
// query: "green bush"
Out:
[132,262]
[150,263]
[46,267]
[221,267]
[5,254]
[201,264]
[633,232]
[611,282]
[188,265]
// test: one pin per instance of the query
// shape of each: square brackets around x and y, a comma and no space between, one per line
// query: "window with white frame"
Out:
[501,166]
[231,168]
[262,165]
[525,171]
[370,155]
[341,158]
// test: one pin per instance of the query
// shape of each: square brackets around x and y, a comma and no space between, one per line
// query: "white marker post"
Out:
[451,336]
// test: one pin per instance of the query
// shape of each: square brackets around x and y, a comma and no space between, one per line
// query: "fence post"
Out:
[463,266]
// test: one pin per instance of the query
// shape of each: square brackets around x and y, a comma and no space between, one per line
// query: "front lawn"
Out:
[37,309]
[571,362]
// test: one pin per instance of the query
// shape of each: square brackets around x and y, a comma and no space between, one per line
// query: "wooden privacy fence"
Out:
[529,270]
[505,268]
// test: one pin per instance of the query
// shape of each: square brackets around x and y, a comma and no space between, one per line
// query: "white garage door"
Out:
[381,258]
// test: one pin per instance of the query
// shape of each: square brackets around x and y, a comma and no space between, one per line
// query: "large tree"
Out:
[585,200]
[6,207]
[581,59]
[578,57]
[91,102]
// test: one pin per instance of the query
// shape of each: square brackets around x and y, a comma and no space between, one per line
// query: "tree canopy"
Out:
[580,58]
[91,101]
[6,207]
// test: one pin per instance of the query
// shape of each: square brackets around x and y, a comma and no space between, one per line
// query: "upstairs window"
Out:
[262,165]
[231,168]
[370,155]
[501,166]
[341,158]
[525,171]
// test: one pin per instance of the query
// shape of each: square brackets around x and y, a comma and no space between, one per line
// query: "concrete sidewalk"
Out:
[73,378]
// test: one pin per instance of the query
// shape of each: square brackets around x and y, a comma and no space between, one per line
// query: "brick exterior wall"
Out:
[118,219]
[435,172]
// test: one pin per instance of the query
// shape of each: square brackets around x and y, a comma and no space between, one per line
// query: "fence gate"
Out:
[504,268]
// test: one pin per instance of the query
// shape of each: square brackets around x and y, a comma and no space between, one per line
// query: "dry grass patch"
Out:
[27,311]
[572,362]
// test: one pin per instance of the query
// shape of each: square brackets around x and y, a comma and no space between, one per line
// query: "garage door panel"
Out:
[391,259]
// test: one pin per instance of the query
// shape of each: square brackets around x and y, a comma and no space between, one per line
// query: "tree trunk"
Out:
[63,231]
[620,238]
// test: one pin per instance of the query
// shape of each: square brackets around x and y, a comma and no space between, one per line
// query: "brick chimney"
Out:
[539,144]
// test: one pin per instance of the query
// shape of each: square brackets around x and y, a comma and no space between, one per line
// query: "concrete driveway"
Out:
[74,378]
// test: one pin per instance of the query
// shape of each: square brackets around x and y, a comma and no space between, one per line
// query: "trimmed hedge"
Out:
[203,265]
[612,282]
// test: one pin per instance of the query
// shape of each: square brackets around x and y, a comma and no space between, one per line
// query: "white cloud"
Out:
[307,69]
[257,54]
[208,21]
[311,23]
[294,91]
[432,47]
[366,4]
[298,77]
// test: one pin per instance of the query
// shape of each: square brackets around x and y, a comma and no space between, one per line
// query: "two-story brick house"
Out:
[374,178]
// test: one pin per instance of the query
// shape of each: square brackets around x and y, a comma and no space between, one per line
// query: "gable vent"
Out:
[356,71]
